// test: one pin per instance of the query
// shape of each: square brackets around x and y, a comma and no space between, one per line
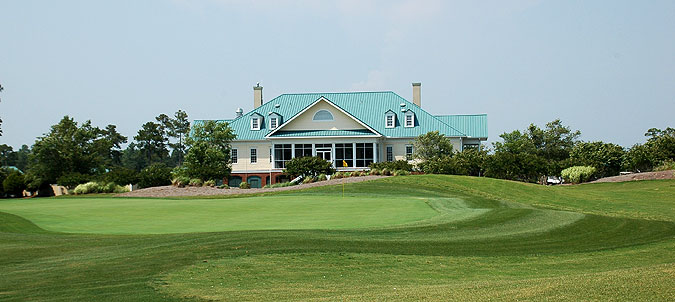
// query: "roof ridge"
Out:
[344,92]
[476,114]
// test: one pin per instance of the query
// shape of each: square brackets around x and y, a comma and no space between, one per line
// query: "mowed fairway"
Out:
[427,237]
[162,216]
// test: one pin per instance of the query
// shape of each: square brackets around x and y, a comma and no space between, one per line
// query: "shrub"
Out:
[72,179]
[321,177]
[14,184]
[338,175]
[400,173]
[121,176]
[374,172]
[181,181]
[308,180]
[196,182]
[155,175]
[578,174]
[386,171]
[666,165]
[393,165]
[95,187]
[308,166]
[223,187]
[244,185]
[210,183]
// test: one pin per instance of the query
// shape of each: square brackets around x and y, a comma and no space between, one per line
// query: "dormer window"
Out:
[322,116]
[274,122]
[390,120]
[256,120]
[410,119]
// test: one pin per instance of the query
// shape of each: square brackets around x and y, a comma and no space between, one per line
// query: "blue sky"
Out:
[606,68]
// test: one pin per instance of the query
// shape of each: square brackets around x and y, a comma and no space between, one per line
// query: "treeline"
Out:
[73,153]
[534,153]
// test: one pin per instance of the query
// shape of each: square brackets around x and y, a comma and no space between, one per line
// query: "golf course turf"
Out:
[430,237]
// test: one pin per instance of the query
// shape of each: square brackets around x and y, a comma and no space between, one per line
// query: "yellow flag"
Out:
[344,163]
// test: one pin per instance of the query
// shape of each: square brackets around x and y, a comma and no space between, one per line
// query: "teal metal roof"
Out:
[473,125]
[367,107]
[327,133]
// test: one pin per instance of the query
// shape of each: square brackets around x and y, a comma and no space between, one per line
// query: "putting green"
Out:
[158,216]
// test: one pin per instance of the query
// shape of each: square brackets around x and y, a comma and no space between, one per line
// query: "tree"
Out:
[308,166]
[68,148]
[152,142]
[180,130]
[7,156]
[133,158]
[528,155]
[431,146]
[1,89]
[177,128]
[14,184]
[22,158]
[208,157]
[157,174]
[606,158]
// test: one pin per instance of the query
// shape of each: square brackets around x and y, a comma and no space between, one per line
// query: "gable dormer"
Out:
[390,119]
[274,120]
[256,121]
[409,119]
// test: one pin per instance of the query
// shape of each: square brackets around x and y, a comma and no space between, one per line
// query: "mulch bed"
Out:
[670,174]
[171,191]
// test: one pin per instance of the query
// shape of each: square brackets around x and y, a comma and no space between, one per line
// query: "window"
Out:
[324,151]
[344,152]
[303,150]
[234,156]
[255,123]
[254,155]
[322,116]
[282,154]
[390,153]
[271,154]
[471,146]
[389,121]
[408,152]
[274,122]
[364,154]
[410,119]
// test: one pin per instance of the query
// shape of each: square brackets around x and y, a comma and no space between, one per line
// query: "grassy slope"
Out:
[625,256]
[161,216]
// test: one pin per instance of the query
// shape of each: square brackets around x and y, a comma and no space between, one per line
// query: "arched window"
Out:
[323,115]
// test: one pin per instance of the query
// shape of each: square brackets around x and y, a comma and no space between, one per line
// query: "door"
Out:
[254,181]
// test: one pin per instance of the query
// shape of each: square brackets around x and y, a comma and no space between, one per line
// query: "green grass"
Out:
[485,240]
[153,216]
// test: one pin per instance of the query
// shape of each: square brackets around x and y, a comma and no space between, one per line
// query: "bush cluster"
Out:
[308,166]
[99,187]
[155,175]
[578,174]
[244,185]
[280,185]
[393,165]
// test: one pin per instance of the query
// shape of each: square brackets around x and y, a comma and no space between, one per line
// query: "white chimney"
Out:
[257,96]
[417,94]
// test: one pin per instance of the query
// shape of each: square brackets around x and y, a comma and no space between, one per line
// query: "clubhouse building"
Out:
[356,128]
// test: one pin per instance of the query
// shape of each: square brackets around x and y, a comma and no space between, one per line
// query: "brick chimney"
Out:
[417,94]
[257,96]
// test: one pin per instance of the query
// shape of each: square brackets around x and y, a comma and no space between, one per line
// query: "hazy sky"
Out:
[606,68]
